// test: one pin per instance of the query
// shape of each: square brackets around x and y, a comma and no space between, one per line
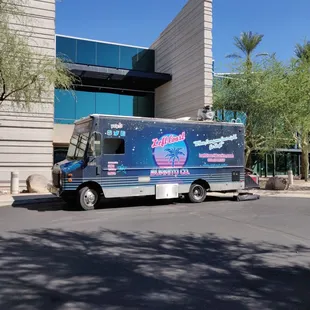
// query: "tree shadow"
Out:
[57,269]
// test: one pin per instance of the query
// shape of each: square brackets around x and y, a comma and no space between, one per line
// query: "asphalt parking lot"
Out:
[217,255]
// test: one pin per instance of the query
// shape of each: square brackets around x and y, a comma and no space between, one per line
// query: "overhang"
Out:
[105,77]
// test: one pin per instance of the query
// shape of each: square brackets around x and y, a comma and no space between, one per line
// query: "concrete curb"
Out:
[26,199]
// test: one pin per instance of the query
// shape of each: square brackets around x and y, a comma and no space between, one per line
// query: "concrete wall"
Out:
[26,135]
[62,134]
[184,49]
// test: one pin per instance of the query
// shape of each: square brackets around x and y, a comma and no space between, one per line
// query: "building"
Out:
[113,79]
[172,78]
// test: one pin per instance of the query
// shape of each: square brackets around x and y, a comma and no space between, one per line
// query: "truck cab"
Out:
[82,160]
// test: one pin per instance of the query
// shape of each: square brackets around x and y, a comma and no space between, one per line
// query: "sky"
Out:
[139,22]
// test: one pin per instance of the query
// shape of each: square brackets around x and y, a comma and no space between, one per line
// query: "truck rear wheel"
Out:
[197,193]
[88,198]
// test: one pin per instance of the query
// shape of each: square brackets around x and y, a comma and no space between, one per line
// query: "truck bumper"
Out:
[54,190]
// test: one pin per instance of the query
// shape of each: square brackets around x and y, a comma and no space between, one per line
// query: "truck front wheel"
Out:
[88,198]
[197,193]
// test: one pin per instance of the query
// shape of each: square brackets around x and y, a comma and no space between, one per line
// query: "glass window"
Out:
[144,106]
[86,52]
[94,147]
[128,57]
[113,146]
[242,117]
[229,116]
[107,55]
[66,49]
[85,104]
[64,107]
[145,60]
[219,114]
[107,103]
[60,154]
[126,105]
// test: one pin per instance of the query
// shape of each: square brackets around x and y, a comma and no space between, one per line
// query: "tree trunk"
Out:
[305,156]
[248,159]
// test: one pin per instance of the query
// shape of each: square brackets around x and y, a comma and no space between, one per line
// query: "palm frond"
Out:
[261,54]
[248,42]
[233,56]
[303,51]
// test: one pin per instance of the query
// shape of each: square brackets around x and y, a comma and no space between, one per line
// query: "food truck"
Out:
[119,156]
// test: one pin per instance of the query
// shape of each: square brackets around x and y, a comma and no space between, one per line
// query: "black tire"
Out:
[88,198]
[197,193]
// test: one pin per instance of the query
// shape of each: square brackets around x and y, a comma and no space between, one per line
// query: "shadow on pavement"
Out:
[114,203]
[56,269]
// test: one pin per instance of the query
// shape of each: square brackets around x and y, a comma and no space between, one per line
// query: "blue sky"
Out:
[139,22]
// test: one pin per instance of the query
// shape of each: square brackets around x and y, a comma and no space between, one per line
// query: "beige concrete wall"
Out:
[184,49]
[62,134]
[26,135]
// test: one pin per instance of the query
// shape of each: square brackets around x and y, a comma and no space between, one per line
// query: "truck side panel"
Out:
[152,152]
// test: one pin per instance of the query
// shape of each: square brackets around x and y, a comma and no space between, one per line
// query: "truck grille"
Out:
[56,179]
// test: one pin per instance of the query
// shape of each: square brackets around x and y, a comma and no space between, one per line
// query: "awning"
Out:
[105,77]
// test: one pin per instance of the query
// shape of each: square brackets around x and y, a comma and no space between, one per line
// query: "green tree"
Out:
[26,74]
[302,52]
[296,107]
[247,44]
[289,91]
[251,92]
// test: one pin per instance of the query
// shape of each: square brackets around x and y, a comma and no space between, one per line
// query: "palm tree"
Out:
[173,154]
[302,52]
[247,43]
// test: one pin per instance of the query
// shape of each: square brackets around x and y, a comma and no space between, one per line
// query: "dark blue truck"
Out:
[115,156]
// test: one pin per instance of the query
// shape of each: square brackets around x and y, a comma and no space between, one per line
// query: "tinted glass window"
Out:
[107,55]
[66,49]
[229,116]
[86,52]
[144,106]
[145,60]
[60,154]
[107,103]
[128,57]
[126,105]
[85,103]
[64,107]
[114,146]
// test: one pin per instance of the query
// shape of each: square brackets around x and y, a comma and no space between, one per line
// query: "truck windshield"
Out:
[77,147]
[79,140]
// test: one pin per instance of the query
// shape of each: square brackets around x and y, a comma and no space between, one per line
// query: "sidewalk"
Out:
[24,199]
[282,194]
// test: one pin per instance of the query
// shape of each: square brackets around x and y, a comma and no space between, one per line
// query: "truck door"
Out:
[94,154]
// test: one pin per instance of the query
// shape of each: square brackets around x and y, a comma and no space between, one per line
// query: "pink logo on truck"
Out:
[170,151]
[168,139]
